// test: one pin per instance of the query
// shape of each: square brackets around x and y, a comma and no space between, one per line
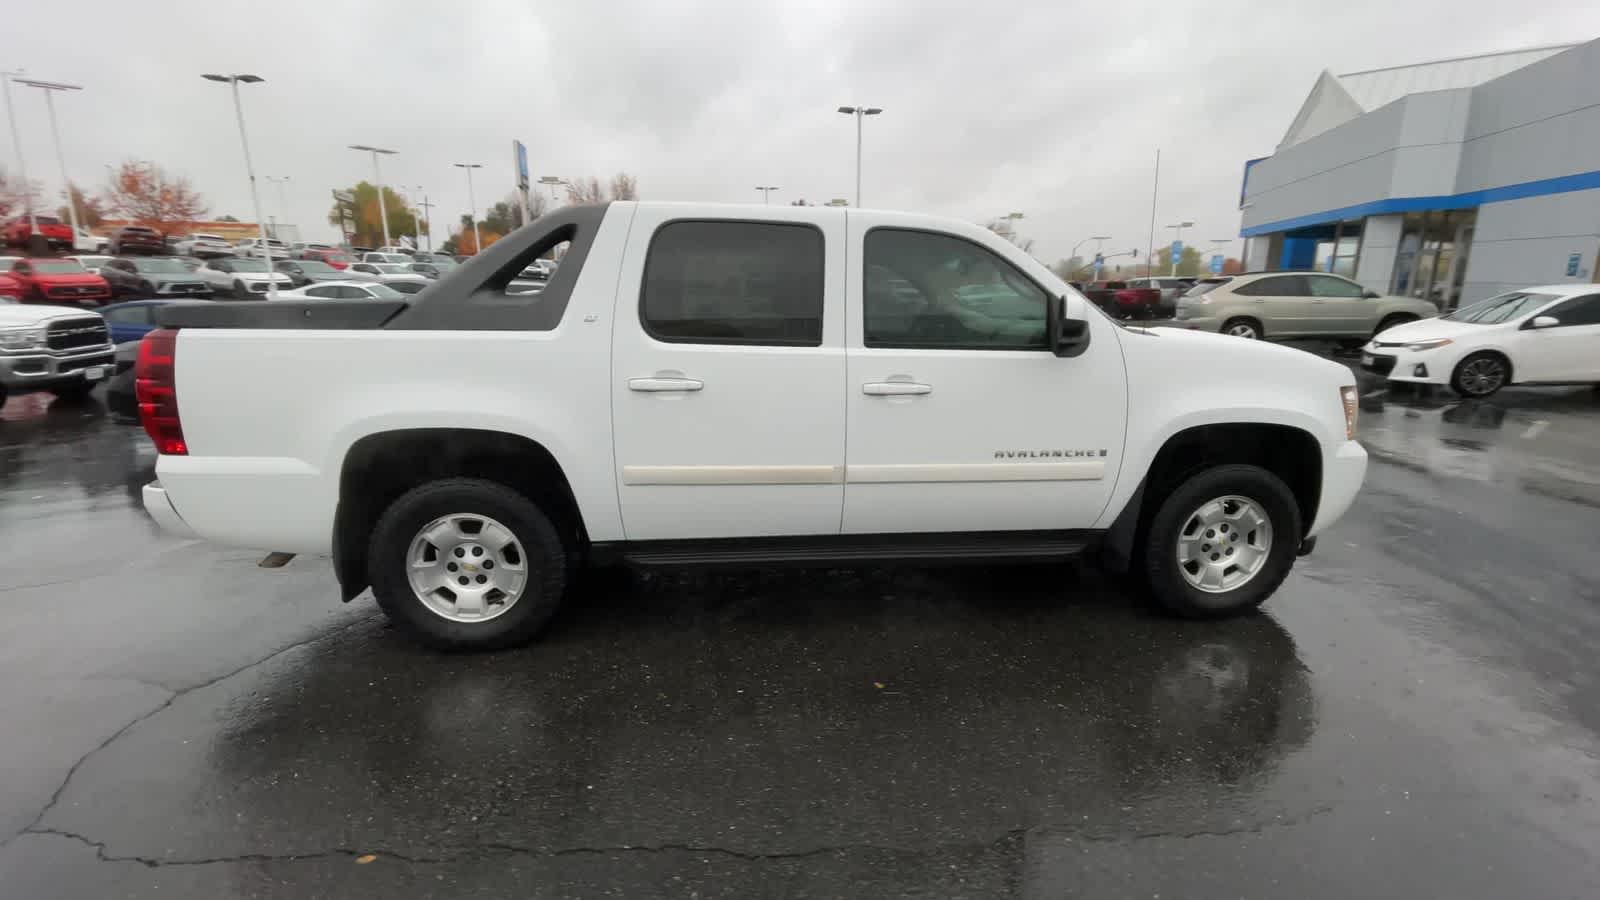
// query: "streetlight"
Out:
[1177,237]
[283,206]
[859,112]
[417,219]
[427,209]
[250,169]
[50,88]
[766,192]
[477,242]
[377,173]
[552,181]
[1099,240]
[16,142]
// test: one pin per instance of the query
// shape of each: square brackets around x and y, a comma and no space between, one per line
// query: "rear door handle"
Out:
[659,385]
[895,388]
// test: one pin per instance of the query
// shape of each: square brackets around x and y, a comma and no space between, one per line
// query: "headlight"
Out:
[1429,345]
[1352,405]
[21,338]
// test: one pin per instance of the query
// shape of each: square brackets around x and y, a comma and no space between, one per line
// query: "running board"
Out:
[845,549]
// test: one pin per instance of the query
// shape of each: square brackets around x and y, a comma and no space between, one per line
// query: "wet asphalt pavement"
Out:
[1417,713]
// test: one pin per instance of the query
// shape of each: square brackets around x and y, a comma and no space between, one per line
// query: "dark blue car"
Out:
[132,320]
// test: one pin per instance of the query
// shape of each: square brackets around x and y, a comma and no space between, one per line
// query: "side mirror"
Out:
[1371,295]
[1544,322]
[1067,337]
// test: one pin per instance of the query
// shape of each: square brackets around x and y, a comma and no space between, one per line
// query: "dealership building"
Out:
[1453,180]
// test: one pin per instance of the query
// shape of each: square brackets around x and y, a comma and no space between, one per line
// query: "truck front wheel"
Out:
[1222,542]
[467,564]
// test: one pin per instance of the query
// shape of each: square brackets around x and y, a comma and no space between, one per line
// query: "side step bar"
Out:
[922,549]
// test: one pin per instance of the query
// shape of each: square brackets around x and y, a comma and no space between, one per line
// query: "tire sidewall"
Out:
[1255,328]
[1166,581]
[546,559]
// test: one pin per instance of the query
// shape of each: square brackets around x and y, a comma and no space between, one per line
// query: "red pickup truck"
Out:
[1122,302]
[58,233]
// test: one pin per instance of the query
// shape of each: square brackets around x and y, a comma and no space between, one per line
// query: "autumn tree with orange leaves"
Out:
[144,194]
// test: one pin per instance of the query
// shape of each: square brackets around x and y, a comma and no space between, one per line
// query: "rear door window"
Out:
[1329,286]
[1276,286]
[734,283]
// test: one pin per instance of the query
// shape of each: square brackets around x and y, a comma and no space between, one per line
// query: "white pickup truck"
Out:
[704,384]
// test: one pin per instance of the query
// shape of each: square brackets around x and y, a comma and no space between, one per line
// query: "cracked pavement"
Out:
[1418,713]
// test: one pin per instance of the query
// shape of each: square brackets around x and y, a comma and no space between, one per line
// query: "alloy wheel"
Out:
[1224,544]
[467,567]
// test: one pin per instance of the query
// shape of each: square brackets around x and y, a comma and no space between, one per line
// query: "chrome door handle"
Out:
[895,388]
[660,385]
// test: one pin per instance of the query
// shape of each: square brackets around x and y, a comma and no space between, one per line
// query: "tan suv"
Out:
[1291,305]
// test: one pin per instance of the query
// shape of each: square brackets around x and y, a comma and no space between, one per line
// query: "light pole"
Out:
[16,143]
[427,210]
[766,192]
[250,169]
[50,88]
[283,205]
[1011,219]
[477,242]
[416,220]
[1177,236]
[377,173]
[859,112]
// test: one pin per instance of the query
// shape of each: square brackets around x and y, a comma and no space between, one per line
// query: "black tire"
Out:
[1163,572]
[1391,321]
[546,560]
[1473,376]
[1241,323]
[74,392]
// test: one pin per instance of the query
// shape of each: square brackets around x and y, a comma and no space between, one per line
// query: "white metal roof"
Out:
[1336,99]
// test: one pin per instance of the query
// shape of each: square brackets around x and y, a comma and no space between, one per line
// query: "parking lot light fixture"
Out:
[50,88]
[477,242]
[250,169]
[859,112]
[766,192]
[377,175]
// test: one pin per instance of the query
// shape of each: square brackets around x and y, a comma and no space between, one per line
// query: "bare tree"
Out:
[624,187]
[585,192]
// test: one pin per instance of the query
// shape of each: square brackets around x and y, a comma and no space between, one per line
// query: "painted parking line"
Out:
[1535,429]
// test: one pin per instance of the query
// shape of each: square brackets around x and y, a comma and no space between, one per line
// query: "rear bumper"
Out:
[159,505]
[1342,474]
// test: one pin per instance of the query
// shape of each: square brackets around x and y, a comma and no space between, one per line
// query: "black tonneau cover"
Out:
[471,297]
[318,314]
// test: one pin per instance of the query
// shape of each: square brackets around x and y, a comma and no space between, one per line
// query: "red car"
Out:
[10,289]
[59,281]
[18,231]
[336,258]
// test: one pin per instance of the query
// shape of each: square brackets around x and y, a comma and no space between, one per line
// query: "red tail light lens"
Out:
[155,387]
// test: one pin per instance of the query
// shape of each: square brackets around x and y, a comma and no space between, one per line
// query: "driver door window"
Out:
[936,291]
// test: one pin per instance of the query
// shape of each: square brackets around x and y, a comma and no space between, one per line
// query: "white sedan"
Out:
[241,278]
[343,290]
[387,273]
[1537,335]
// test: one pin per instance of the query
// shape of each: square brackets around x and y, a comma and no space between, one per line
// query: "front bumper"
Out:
[159,505]
[41,368]
[1342,474]
[1414,366]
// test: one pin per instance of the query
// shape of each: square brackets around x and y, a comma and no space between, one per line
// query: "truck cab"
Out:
[703,384]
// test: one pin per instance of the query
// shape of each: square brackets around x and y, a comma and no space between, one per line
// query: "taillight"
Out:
[156,388]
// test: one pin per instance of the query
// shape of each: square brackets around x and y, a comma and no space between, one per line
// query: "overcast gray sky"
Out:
[1051,109]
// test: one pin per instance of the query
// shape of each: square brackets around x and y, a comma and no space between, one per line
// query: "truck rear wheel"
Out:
[467,564]
[1222,542]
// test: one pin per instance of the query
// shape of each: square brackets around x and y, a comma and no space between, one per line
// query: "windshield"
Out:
[58,266]
[391,268]
[384,292]
[1499,309]
[157,266]
[249,265]
[1206,286]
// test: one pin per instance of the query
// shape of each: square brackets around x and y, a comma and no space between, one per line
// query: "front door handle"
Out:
[661,384]
[895,388]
